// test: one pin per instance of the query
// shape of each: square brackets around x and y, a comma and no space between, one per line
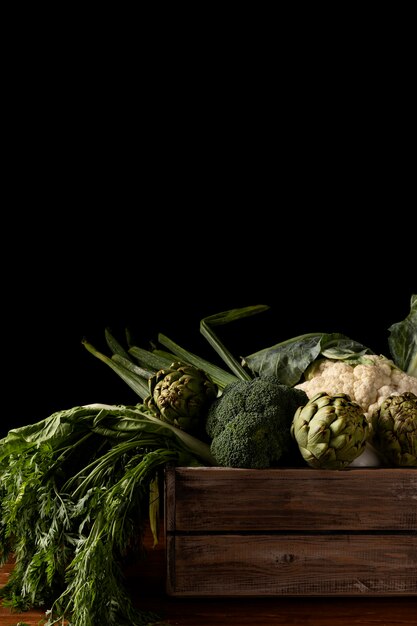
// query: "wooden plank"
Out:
[225,499]
[320,565]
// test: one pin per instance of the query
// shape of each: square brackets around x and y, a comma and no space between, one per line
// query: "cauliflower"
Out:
[367,383]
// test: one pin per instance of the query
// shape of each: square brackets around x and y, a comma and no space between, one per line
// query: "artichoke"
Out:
[330,430]
[180,395]
[394,426]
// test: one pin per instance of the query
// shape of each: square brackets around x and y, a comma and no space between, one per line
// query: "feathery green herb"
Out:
[76,492]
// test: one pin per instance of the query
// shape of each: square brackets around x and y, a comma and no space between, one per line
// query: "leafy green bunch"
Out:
[76,492]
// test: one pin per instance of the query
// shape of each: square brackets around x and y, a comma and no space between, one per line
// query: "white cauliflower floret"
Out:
[401,381]
[330,376]
[367,383]
[369,380]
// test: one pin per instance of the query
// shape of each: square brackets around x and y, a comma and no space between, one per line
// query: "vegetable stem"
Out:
[135,382]
[224,318]
[218,375]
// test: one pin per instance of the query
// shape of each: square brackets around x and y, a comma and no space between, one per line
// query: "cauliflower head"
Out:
[368,383]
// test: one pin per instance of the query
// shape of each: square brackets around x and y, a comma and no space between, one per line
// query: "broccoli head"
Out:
[250,423]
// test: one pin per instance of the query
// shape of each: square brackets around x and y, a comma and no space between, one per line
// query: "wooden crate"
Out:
[290,532]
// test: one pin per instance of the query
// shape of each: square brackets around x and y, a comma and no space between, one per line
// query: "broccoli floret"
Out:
[250,423]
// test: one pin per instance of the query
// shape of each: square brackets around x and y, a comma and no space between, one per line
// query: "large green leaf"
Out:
[402,341]
[289,359]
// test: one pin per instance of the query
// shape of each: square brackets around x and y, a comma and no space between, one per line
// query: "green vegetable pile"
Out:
[76,490]
[79,488]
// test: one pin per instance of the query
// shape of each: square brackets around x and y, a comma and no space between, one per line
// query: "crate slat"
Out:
[264,565]
[222,499]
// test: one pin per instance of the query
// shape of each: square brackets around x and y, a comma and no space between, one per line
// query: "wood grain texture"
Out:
[291,532]
[224,499]
[264,565]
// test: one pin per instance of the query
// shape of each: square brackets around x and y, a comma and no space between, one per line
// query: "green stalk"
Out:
[195,446]
[139,386]
[132,367]
[146,431]
[95,468]
[220,319]
[218,375]
[115,346]
[149,360]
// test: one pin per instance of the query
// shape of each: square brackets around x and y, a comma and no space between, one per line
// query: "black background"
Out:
[143,193]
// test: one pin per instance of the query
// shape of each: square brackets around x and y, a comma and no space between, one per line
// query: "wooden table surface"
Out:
[146,582]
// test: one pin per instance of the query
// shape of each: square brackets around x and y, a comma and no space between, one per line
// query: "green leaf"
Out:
[402,341]
[289,359]
[57,429]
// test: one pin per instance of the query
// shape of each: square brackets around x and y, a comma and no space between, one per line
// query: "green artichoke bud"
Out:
[395,429]
[331,431]
[180,395]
